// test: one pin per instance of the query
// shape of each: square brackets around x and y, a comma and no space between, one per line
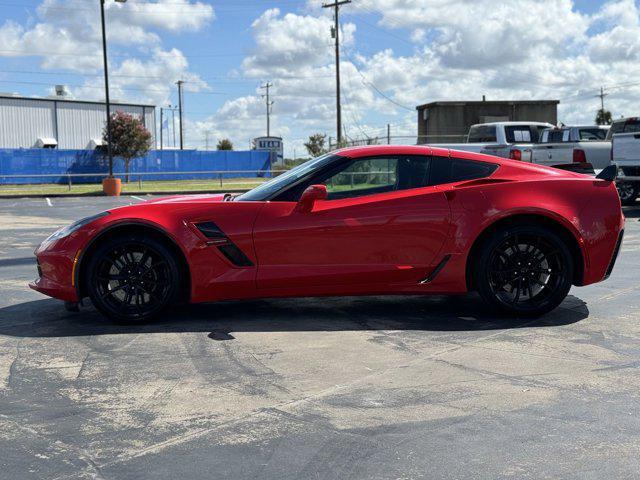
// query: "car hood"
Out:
[216,197]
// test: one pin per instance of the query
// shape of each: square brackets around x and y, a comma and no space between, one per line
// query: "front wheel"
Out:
[628,192]
[524,270]
[132,278]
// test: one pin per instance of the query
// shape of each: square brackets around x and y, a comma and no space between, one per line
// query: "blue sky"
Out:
[396,54]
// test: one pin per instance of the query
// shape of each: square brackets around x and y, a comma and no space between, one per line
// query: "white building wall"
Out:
[22,122]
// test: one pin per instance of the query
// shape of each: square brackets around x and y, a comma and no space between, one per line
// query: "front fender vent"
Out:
[215,236]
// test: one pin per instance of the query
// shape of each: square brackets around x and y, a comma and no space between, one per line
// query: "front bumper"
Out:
[55,274]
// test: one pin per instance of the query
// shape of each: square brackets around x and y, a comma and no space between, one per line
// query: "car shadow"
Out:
[48,318]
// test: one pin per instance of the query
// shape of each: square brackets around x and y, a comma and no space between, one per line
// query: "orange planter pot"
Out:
[111,186]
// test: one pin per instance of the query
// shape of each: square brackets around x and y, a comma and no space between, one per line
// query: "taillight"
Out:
[515,154]
[579,156]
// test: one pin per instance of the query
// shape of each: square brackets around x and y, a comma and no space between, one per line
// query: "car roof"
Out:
[511,124]
[376,150]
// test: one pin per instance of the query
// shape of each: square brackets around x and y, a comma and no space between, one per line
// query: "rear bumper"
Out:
[616,252]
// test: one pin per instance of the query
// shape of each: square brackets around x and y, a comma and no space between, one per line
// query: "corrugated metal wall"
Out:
[23,121]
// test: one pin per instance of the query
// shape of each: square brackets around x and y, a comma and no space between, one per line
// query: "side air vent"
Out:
[212,231]
[230,250]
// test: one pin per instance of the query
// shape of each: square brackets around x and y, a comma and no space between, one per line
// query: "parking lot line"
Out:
[48,202]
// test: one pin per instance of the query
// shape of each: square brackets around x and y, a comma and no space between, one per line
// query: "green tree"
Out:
[315,145]
[129,138]
[603,117]
[225,144]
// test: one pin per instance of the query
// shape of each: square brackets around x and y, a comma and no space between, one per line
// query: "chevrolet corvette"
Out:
[381,220]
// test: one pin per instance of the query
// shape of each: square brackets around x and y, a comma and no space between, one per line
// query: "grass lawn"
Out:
[134,188]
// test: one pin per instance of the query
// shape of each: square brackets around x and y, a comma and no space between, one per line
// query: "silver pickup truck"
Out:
[625,153]
[503,139]
[577,144]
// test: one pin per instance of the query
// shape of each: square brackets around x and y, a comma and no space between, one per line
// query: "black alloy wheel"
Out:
[525,271]
[132,279]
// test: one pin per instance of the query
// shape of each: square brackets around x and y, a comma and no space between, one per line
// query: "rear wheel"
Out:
[132,278]
[628,192]
[524,270]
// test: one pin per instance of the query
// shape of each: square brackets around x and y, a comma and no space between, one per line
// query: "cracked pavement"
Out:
[335,388]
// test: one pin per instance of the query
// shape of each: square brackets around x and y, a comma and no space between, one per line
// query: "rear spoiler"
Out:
[609,173]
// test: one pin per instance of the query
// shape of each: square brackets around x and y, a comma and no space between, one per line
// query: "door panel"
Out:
[383,238]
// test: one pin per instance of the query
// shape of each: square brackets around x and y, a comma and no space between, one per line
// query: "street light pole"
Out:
[106,88]
[106,85]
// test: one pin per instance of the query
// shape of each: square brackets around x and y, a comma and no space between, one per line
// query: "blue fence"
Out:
[26,162]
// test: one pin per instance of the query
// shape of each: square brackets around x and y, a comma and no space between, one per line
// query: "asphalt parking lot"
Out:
[372,387]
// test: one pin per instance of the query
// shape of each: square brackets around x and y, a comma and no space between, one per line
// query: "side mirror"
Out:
[310,196]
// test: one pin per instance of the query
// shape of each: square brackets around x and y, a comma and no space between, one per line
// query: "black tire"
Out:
[628,192]
[524,271]
[132,278]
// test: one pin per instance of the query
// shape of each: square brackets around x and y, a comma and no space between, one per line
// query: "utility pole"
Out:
[173,124]
[388,134]
[267,86]
[336,34]
[180,83]
[602,95]
[206,140]
[161,127]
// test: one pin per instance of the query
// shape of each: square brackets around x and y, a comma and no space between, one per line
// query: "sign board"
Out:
[273,144]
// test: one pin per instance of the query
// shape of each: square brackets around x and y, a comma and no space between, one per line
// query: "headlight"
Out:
[69,229]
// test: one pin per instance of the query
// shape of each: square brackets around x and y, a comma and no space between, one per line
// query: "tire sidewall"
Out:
[482,266]
[107,246]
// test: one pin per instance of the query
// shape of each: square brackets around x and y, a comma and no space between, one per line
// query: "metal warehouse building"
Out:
[449,122]
[59,122]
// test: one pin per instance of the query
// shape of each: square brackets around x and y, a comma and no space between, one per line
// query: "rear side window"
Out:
[449,170]
[482,134]
[592,133]
[552,136]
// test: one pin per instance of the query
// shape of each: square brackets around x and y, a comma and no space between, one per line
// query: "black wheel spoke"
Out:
[525,269]
[133,280]
[112,291]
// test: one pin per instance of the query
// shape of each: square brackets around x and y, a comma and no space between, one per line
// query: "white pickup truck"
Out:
[625,153]
[502,139]
[565,145]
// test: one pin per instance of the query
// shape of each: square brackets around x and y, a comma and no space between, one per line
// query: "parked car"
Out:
[498,138]
[359,221]
[577,144]
[625,153]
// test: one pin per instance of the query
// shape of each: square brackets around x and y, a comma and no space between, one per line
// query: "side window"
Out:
[449,170]
[377,175]
[470,170]
[363,177]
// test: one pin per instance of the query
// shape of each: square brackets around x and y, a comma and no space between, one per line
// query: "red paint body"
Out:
[384,243]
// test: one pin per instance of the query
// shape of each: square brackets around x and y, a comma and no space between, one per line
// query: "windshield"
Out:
[267,189]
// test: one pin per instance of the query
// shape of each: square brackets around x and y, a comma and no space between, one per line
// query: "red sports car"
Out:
[358,221]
